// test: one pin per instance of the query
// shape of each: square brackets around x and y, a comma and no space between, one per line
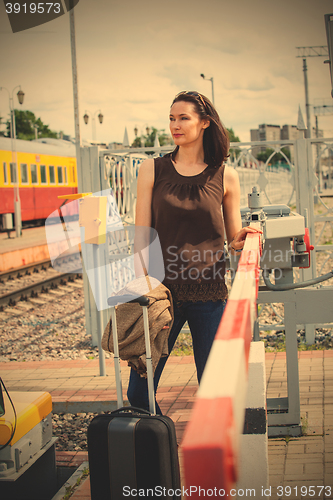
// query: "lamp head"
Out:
[20,96]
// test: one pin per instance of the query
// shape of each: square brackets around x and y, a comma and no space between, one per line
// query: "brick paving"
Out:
[294,463]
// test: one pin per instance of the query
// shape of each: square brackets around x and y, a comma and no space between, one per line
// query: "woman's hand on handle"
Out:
[238,241]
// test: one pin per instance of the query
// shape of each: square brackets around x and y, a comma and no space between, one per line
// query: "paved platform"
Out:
[29,248]
[305,461]
[30,237]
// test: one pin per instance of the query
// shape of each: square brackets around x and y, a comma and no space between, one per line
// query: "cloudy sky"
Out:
[134,56]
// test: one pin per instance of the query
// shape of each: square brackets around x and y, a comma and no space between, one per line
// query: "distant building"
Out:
[289,132]
[269,132]
[67,137]
[264,133]
[254,133]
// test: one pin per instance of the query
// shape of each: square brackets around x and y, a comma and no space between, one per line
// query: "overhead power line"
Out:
[315,51]
[323,110]
[304,52]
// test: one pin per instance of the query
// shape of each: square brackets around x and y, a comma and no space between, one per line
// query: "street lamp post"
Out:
[307,105]
[93,123]
[35,127]
[136,133]
[212,82]
[17,200]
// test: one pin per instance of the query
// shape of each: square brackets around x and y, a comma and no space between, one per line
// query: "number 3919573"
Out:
[33,8]
[301,491]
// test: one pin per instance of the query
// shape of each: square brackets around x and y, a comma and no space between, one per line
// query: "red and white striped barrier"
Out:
[211,441]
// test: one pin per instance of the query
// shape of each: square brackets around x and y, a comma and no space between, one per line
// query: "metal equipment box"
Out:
[7,222]
[32,434]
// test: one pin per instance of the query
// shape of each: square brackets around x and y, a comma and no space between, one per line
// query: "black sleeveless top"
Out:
[186,213]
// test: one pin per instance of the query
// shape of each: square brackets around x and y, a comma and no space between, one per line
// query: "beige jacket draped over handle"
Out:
[130,324]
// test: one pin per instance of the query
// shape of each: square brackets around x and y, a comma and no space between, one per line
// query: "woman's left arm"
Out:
[231,212]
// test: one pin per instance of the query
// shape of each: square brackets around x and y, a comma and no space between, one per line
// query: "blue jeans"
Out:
[203,319]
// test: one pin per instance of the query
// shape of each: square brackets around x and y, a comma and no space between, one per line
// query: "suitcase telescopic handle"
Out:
[114,301]
[149,363]
[131,410]
[144,302]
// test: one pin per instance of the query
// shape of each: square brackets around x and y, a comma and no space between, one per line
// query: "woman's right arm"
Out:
[145,186]
[143,217]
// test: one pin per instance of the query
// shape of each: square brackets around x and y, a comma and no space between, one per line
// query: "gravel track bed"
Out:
[15,284]
[52,326]
[71,430]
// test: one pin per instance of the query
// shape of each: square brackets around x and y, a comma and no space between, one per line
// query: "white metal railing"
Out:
[278,185]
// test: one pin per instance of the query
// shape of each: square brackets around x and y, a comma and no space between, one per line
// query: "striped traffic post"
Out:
[211,440]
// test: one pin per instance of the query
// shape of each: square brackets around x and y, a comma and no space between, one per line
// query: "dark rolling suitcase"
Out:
[133,452]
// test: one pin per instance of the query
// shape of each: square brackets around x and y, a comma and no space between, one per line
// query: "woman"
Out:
[180,195]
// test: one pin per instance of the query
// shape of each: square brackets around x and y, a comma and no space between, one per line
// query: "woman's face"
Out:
[186,126]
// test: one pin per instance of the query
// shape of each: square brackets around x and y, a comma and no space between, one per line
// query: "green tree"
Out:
[264,155]
[233,138]
[136,143]
[149,139]
[2,132]
[25,121]
[164,138]
[286,151]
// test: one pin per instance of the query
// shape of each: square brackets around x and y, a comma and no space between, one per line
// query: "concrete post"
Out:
[304,180]
[307,105]
[91,178]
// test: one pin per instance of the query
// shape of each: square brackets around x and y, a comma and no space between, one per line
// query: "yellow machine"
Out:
[27,463]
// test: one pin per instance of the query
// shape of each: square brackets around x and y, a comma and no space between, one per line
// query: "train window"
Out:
[24,173]
[65,172]
[33,170]
[13,173]
[51,174]
[43,174]
[60,181]
[5,176]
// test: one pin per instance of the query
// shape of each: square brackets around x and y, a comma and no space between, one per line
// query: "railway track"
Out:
[25,282]
[29,269]
[19,272]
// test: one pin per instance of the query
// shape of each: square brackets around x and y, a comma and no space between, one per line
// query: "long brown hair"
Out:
[216,138]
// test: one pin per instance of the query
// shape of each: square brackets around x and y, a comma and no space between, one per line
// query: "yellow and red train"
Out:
[46,169]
